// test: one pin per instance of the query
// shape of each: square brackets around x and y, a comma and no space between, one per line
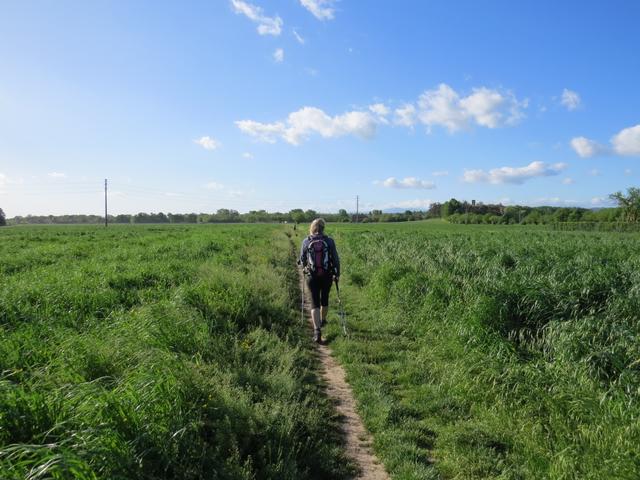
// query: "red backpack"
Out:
[318,257]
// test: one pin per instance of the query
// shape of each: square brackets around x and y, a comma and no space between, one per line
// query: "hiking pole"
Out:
[302,304]
[343,317]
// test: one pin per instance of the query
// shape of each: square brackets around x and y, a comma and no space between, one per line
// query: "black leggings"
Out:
[319,288]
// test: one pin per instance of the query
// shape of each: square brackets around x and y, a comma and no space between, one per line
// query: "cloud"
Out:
[278,55]
[441,173]
[301,124]
[586,148]
[208,143]
[417,204]
[247,155]
[407,182]
[444,107]
[624,143]
[405,116]
[379,109]
[441,106]
[321,9]
[570,99]
[627,141]
[214,186]
[299,38]
[594,172]
[601,201]
[568,181]
[57,175]
[266,25]
[514,175]
[628,172]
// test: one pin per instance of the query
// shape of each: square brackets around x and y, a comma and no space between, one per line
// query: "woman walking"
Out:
[321,265]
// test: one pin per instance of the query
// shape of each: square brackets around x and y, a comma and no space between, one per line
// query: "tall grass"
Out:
[146,352]
[480,352]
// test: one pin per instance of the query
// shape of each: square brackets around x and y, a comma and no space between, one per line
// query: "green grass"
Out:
[177,352]
[157,352]
[494,352]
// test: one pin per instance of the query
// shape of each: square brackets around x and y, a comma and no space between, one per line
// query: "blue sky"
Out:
[195,106]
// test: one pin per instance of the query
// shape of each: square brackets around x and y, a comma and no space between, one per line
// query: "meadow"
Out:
[157,352]
[174,351]
[494,352]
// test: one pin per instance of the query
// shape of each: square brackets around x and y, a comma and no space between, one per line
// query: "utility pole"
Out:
[106,218]
[357,208]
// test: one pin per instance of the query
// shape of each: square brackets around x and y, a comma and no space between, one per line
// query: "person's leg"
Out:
[314,288]
[324,298]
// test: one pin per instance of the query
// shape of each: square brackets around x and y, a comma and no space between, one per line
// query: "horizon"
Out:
[276,105]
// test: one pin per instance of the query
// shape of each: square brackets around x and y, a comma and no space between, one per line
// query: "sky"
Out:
[279,104]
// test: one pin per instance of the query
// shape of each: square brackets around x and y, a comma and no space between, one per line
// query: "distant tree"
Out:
[630,203]
[3,218]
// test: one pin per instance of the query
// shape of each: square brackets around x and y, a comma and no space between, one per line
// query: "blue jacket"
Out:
[333,253]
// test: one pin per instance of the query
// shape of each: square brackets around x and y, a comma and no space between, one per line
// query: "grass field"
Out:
[146,352]
[494,352]
[177,352]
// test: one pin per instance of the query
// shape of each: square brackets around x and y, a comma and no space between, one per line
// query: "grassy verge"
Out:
[157,352]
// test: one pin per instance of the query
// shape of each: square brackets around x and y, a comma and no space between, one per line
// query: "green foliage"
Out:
[494,352]
[3,218]
[630,203]
[157,352]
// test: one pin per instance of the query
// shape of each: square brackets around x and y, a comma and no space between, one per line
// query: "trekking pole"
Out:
[302,304]
[343,317]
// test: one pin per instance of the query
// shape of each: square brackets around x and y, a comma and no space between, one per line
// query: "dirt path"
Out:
[357,438]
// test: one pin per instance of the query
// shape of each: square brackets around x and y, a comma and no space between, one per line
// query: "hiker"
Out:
[321,265]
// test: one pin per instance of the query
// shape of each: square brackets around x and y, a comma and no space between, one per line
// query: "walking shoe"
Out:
[317,336]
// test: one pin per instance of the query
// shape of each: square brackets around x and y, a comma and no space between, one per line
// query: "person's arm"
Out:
[302,260]
[335,258]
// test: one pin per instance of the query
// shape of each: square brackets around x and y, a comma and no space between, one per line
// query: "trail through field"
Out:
[357,438]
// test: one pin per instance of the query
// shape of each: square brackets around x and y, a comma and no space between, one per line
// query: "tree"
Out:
[3,219]
[630,203]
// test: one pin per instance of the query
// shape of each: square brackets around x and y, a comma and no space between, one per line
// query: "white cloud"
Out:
[441,173]
[299,38]
[627,141]
[514,175]
[266,132]
[57,175]
[247,155]
[594,172]
[444,107]
[586,148]
[321,9]
[208,143]
[278,55]
[601,201]
[266,25]
[628,172]
[379,109]
[405,115]
[311,120]
[568,181]
[214,186]
[570,99]
[407,182]
[416,204]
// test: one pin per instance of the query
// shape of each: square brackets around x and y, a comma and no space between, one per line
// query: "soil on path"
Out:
[357,438]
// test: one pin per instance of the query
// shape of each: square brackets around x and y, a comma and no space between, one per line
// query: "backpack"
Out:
[318,257]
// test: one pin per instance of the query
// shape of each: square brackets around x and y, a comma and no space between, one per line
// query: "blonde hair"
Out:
[317,226]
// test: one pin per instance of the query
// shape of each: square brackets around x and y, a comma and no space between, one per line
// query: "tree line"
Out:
[452,210]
